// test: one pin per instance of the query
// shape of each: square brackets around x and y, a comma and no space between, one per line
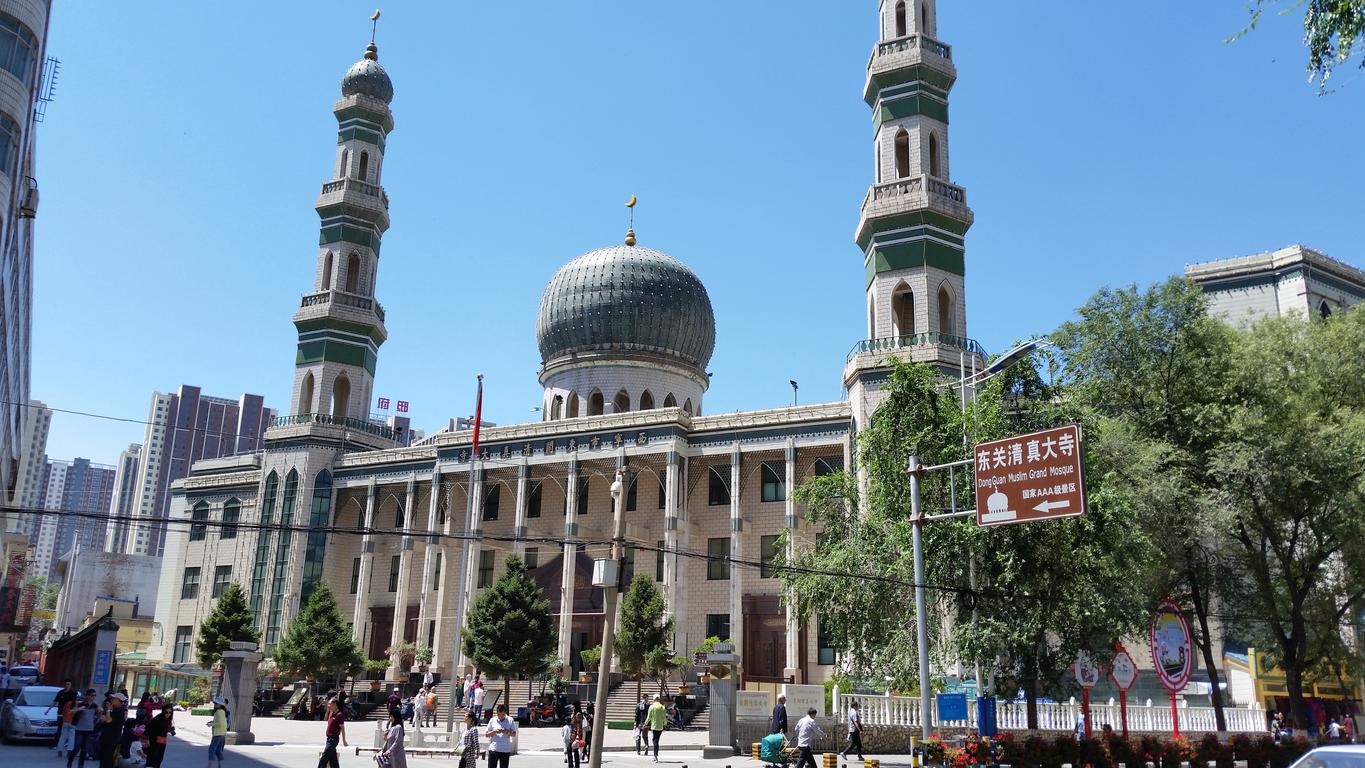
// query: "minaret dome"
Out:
[366,77]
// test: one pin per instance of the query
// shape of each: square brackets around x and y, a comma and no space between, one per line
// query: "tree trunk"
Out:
[1031,690]
[1201,614]
[1293,682]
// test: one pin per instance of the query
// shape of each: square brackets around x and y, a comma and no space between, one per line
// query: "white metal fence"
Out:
[1143,717]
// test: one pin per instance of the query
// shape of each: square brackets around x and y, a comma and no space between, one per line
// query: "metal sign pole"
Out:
[921,613]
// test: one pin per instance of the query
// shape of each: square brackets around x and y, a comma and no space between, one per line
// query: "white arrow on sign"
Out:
[1047,506]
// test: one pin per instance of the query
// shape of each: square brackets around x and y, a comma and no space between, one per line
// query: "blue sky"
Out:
[1100,143]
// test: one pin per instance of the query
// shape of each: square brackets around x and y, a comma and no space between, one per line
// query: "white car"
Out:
[30,715]
[1339,756]
[22,675]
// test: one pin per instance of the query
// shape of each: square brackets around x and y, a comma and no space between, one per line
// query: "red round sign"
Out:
[1172,649]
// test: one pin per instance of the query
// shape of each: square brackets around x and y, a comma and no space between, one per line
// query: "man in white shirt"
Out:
[499,732]
[477,707]
[807,731]
[855,732]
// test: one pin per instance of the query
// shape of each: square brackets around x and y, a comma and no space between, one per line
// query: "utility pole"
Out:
[914,470]
[610,592]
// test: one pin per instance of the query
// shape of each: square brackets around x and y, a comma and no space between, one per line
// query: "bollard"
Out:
[872,762]
[754,750]
[914,752]
[830,760]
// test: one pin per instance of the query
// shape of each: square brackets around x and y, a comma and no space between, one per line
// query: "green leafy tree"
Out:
[230,621]
[642,642]
[1332,31]
[319,644]
[509,631]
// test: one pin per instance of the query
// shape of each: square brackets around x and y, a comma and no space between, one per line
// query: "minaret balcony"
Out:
[348,431]
[914,193]
[323,302]
[355,192]
[908,51]
[941,350]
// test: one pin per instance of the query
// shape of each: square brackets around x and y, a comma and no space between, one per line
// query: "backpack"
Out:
[431,701]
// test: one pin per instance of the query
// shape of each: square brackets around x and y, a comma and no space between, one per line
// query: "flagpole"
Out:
[462,584]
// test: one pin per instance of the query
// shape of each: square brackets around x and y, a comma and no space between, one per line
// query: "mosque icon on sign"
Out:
[998,508]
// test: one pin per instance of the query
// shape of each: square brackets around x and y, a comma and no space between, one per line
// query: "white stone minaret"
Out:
[340,323]
[914,219]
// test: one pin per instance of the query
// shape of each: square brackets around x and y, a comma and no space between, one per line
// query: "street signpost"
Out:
[1172,652]
[1124,673]
[1030,477]
[1087,673]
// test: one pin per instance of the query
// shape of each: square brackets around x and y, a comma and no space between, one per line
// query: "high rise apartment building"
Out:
[77,496]
[123,503]
[183,428]
[28,489]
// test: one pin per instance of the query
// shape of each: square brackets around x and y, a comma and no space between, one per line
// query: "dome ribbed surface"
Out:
[369,78]
[627,299]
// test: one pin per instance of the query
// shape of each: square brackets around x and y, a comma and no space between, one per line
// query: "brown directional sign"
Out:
[1030,477]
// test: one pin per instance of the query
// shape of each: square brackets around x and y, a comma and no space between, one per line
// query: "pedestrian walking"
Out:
[336,732]
[469,743]
[1333,730]
[641,733]
[64,699]
[428,679]
[855,731]
[457,690]
[219,724]
[112,731]
[420,706]
[394,754]
[157,734]
[477,702]
[779,723]
[433,703]
[656,718]
[573,744]
[807,731]
[499,732]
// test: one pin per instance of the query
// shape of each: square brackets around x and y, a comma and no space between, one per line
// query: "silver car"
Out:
[22,675]
[30,716]
[1343,756]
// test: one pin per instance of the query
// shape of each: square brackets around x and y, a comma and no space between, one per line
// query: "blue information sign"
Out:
[952,707]
[104,662]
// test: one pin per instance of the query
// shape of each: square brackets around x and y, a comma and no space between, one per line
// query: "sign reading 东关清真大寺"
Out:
[753,705]
[803,697]
[1038,476]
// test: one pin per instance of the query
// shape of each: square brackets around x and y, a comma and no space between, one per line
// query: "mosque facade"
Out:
[406,534]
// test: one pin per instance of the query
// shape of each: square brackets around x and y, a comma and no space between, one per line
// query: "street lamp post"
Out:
[610,591]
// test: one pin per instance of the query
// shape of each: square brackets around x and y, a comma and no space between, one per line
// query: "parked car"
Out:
[30,715]
[1343,756]
[22,675]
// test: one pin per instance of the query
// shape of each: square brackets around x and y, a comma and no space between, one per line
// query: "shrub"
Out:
[1038,753]
[1066,749]
[1010,751]
[1122,751]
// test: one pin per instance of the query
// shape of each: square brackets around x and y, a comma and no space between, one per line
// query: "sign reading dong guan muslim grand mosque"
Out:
[1037,476]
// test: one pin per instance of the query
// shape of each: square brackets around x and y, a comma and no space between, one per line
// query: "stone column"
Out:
[362,593]
[400,603]
[736,553]
[672,585]
[566,587]
[239,688]
[519,524]
[793,665]
[442,599]
[429,552]
[472,550]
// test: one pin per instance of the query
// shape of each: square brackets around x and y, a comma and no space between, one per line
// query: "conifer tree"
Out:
[229,621]
[319,643]
[642,643]
[509,632]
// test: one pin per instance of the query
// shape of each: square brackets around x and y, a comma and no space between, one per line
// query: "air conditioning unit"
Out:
[28,207]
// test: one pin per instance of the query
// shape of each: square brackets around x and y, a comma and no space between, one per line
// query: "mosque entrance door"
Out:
[381,630]
[765,632]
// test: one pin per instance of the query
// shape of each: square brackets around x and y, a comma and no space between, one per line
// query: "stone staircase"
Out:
[624,696]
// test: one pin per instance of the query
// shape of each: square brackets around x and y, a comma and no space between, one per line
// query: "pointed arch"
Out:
[341,395]
[595,403]
[646,401]
[353,274]
[923,17]
[687,407]
[319,520]
[1324,311]
[326,273]
[935,169]
[903,310]
[306,393]
[556,408]
[902,153]
[571,411]
[364,170]
[345,161]
[670,401]
[621,403]
[947,311]
[901,31]
[872,317]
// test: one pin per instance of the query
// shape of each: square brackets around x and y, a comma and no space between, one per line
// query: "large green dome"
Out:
[627,299]
[368,77]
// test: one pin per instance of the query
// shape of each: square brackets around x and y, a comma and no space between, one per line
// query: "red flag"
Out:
[478,416]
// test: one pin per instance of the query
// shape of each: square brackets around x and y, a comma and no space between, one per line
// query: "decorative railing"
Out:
[911,42]
[951,191]
[916,340]
[913,185]
[899,187]
[342,298]
[363,187]
[1148,717]
[368,427]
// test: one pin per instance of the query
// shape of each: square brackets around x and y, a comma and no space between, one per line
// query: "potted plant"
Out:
[267,669]
[423,654]
[404,652]
[376,667]
[591,657]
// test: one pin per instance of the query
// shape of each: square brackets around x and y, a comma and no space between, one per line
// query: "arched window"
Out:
[556,407]
[903,310]
[572,411]
[687,407]
[923,18]
[345,161]
[595,403]
[621,403]
[872,318]
[306,394]
[232,515]
[373,269]
[353,274]
[670,401]
[364,174]
[341,394]
[902,154]
[646,401]
[900,18]
[327,273]
[946,311]
[1324,310]
[319,519]
[933,156]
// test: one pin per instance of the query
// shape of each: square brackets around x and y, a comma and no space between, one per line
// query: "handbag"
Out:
[383,760]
